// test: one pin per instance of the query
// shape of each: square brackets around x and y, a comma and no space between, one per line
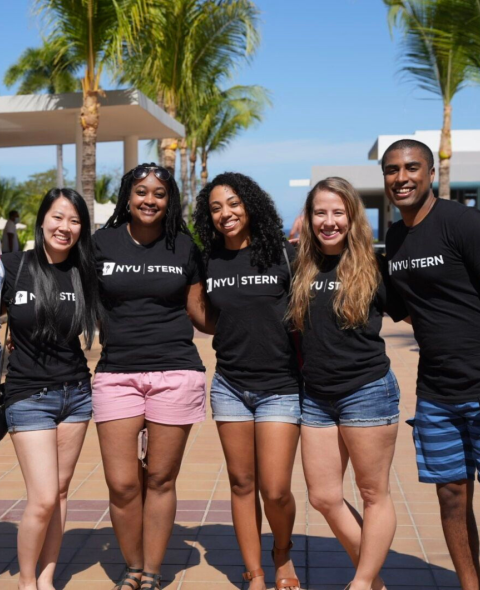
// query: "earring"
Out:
[128,207]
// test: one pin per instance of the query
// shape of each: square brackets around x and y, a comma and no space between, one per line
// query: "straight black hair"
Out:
[173,222]
[88,309]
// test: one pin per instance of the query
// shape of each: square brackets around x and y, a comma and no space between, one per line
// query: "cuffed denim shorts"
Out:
[447,441]
[374,404]
[46,409]
[230,404]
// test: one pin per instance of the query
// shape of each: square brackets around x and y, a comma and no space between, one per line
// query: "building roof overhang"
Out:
[51,119]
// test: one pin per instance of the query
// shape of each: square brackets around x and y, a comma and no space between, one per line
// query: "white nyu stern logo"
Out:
[108,268]
[410,263]
[21,297]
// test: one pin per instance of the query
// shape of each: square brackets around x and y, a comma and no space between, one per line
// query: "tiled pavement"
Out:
[203,553]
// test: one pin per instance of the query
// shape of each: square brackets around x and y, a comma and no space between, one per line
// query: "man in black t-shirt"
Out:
[433,255]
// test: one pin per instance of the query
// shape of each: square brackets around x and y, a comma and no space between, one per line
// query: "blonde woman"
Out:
[350,406]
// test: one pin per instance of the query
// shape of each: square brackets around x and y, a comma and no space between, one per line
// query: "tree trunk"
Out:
[161,104]
[193,172]
[169,145]
[169,154]
[184,179]
[89,118]
[445,153]
[204,174]
[60,179]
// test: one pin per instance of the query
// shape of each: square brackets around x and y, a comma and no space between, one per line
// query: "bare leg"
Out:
[37,454]
[124,475]
[325,459]
[275,481]
[166,445]
[460,530]
[70,437]
[371,451]
[238,442]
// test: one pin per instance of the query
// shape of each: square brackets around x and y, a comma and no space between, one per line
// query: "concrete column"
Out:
[78,155]
[130,153]
[387,216]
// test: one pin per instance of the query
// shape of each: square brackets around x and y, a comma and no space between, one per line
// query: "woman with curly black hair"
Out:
[255,390]
[149,371]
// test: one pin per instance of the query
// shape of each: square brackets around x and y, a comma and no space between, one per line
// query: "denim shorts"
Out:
[230,404]
[47,408]
[374,404]
[447,440]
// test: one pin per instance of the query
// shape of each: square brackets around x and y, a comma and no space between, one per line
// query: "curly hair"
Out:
[266,233]
[173,223]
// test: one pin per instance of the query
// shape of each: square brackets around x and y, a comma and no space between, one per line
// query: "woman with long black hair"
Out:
[255,390]
[52,297]
[149,371]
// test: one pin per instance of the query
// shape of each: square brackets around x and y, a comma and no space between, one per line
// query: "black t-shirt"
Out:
[32,365]
[339,361]
[435,266]
[143,289]
[252,342]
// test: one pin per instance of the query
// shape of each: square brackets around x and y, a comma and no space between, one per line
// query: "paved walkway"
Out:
[203,553]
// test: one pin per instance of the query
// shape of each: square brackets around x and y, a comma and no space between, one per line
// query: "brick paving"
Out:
[203,553]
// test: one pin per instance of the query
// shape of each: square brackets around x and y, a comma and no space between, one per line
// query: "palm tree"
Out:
[435,59]
[225,117]
[104,190]
[95,34]
[43,69]
[185,49]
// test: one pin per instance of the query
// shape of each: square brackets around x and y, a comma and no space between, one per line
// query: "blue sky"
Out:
[332,68]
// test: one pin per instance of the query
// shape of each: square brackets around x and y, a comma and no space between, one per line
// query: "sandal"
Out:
[126,576]
[248,576]
[155,584]
[285,582]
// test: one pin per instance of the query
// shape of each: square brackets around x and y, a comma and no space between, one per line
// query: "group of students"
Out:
[144,282]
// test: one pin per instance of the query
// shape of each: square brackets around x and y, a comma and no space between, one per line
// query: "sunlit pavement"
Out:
[203,553]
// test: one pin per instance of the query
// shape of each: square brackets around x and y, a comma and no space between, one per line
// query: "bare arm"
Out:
[201,313]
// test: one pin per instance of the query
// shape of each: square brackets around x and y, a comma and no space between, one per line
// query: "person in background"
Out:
[350,406]
[10,237]
[255,390]
[433,254]
[52,297]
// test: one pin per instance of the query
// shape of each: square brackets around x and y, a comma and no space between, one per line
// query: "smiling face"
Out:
[329,221]
[61,230]
[230,217]
[407,179]
[148,201]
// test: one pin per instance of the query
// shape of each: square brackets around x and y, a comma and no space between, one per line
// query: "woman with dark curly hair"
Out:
[149,371]
[255,390]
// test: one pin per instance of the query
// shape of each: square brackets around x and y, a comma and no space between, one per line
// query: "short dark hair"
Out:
[405,144]
[12,213]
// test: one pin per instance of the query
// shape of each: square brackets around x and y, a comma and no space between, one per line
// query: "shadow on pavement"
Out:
[320,561]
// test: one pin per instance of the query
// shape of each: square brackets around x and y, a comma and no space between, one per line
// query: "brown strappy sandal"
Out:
[126,577]
[248,576]
[284,582]
[155,584]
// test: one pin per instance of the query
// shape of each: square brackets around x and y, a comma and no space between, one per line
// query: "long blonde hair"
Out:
[357,271]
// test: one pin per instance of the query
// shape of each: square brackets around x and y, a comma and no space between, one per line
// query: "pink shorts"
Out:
[166,397]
